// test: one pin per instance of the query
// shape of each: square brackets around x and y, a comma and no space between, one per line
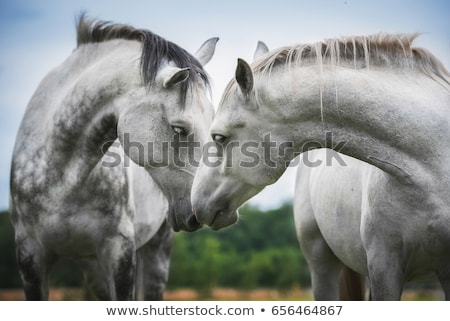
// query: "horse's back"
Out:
[32,171]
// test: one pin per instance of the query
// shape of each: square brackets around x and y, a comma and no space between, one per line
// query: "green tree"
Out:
[261,250]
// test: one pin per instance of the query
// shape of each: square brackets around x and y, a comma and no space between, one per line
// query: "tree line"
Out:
[261,250]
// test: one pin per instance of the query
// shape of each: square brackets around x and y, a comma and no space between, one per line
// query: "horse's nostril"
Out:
[193,221]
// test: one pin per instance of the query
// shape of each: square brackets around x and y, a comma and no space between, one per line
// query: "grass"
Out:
[219,294]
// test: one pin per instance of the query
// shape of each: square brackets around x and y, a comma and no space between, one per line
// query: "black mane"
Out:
[155,49]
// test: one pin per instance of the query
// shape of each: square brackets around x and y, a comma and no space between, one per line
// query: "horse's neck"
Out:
[83,117]
[397,121]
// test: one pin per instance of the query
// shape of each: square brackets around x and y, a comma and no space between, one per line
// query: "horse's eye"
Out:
[219,138]
[179,130]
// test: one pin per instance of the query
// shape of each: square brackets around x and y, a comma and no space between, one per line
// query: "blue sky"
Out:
[38,35]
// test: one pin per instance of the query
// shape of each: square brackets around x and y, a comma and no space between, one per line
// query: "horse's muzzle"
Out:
[216,219]
[181,216]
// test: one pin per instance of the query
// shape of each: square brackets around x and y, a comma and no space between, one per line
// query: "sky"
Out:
[36,36]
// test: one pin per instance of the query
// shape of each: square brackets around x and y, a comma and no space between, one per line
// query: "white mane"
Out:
[394,50]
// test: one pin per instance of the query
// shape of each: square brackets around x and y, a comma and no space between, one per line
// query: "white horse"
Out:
[351,284]
[377,99]
[114,112]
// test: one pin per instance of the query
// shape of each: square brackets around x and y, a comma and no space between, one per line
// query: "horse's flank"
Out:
[379,50]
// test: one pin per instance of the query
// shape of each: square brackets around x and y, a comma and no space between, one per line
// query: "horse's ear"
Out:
[244,77]
[174,76]
[261,50]
[206,51]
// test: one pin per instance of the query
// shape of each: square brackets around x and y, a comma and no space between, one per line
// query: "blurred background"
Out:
[38,35]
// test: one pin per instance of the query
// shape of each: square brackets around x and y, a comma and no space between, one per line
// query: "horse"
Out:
[99,163]
[352,285]
[377,99]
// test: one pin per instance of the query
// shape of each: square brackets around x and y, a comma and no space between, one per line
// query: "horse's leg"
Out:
[153,265]
[121,267]
[323,264]
[352,285]
[111,274]
[385,260]
[446,288]
[325,270]
[34,267]
[385,276]
[95,280]
[444,279]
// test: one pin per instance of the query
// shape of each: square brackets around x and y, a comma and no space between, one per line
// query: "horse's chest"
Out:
[401,220]
[78,230]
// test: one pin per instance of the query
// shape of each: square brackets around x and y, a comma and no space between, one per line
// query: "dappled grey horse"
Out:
[377,99]
[92,176]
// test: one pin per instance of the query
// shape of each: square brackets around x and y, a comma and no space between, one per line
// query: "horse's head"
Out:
[250,153]
[164,126]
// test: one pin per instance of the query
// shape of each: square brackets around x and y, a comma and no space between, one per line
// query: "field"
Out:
[220,294]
